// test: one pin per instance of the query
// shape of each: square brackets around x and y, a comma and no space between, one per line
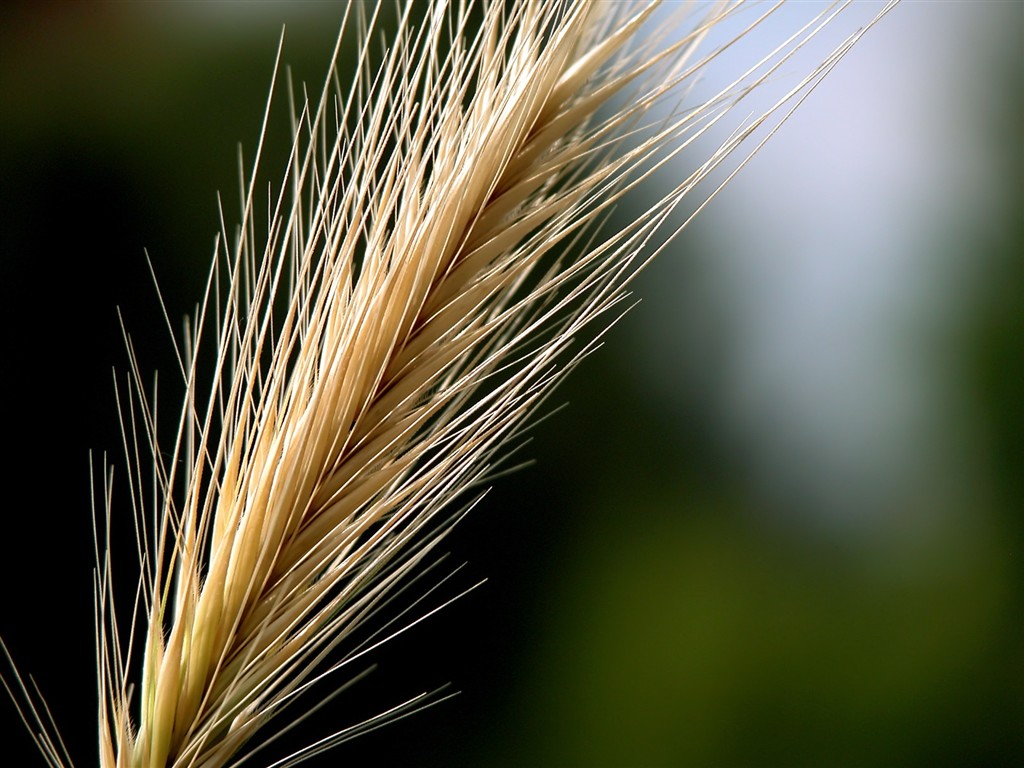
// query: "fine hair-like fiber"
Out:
[429,264]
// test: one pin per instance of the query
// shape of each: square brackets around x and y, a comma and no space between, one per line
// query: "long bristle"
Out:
[429,266]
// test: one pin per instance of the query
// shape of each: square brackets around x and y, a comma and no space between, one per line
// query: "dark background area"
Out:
[651,600]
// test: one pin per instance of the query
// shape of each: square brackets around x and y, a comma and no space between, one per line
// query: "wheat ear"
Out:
[421,283]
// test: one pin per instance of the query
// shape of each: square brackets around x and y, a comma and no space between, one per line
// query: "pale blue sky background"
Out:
[843,256]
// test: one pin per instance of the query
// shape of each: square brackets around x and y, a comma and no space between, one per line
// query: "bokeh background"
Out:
[781,522]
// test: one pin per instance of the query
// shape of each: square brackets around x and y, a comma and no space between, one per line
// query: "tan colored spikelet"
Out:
[425,278]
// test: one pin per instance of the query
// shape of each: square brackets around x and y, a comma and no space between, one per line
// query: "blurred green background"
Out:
[780,523]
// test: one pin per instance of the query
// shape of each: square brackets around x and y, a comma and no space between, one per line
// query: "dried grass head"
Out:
[428,267]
